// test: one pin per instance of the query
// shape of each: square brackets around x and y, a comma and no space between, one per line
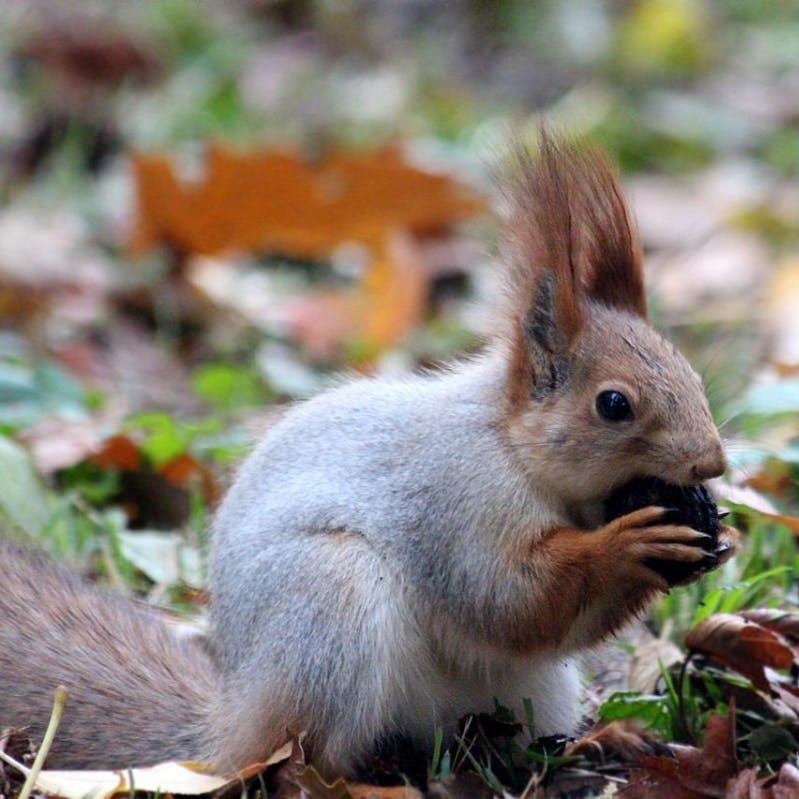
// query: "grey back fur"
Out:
[355,562]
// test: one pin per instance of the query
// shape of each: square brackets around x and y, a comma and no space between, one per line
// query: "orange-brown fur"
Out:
[569,222]
[571,570]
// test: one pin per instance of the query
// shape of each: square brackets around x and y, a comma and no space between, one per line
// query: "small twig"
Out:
[533,784]
[9,761]
[464,749]
[52,726]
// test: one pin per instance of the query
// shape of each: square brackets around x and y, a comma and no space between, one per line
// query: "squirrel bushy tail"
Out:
[137,693]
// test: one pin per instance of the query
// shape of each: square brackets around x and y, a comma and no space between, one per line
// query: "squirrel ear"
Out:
[543,281]
[548,328]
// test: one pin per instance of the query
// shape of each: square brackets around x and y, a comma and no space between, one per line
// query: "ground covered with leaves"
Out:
[209,212]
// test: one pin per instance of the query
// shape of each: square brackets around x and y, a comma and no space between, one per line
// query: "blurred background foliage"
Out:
[138,361]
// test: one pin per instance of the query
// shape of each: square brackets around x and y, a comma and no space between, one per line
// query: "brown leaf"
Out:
[745,785]
[773,478]
[154,498]
[791,522]
[658,780]
[118,452]
[787,785]
[359,791]
[716,762]
[748,496]
[186,471]
[386,306]
[692,773]
[623,739]
[88,56]
[274,201]
[784,622]
[742,645]
[461,785]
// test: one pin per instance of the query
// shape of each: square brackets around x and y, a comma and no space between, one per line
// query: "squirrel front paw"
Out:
[649,553]
[690,506]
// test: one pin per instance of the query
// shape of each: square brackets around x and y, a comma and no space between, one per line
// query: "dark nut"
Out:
[688,505]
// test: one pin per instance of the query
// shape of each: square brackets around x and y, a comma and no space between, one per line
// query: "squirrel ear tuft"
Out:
[610,258]
[570,239]
[568,218]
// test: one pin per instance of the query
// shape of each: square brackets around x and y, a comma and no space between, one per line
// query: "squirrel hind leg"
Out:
[339,676]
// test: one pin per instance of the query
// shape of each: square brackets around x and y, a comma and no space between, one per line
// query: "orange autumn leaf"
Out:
[690,773]
[117,452]
[274,201]
[185,470]
[386,305]
[784,622]
[742,645]
[397,286]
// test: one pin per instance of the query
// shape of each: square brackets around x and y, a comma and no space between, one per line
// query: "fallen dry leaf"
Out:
[186,471]
[274,201]
[787,785]
[773,478]
[152,497]
[86,57]
[746,785]
[748,496]
[117,452]
[624,740]
[184,778]
[462,784]
[181,778]
[652,655]
[783,621]
[386,306]
[359,791]
[691,773]
[742,645]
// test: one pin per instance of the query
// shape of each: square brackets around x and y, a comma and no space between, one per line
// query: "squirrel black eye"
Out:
[613,406]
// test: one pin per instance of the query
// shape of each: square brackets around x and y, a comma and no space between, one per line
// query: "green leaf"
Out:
[650,710]
[228,386]
[164,557]
[28,393]
[23,499]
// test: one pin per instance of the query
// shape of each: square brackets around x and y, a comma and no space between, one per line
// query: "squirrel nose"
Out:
[712,465]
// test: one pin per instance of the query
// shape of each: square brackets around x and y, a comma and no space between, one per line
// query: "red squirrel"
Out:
[398,552]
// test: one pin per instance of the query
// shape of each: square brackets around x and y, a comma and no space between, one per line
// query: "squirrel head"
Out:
[595,395]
